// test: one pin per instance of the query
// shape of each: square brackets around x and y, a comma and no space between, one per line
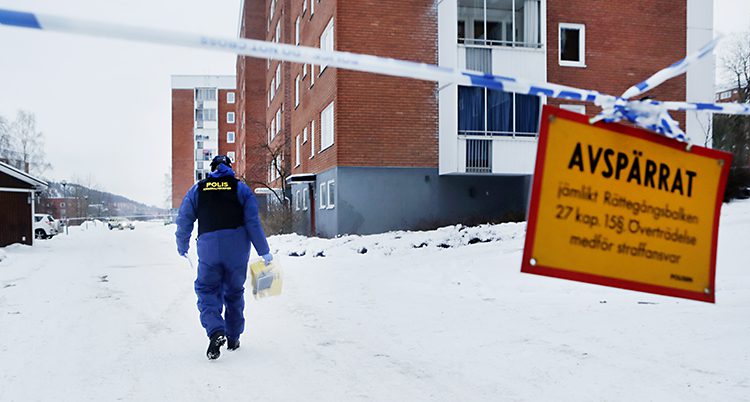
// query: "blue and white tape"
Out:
[650,114]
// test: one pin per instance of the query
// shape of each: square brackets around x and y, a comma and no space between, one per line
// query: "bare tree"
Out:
[736,64]
[732,133]
[29,144]
[6,150]
[279,217]
[168,189]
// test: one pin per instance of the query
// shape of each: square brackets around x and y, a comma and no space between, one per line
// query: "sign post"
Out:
[623,207]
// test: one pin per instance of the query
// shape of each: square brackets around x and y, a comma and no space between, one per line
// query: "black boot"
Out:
[233,344]
[216,341]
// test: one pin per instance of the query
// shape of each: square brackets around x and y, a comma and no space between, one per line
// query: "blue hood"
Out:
[222,171]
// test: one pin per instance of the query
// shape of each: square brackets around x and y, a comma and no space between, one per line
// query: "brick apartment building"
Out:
[369,153]
[203,126]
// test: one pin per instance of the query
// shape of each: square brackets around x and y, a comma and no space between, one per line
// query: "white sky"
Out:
[104,106]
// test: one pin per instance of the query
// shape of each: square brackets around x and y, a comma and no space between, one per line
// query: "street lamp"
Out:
[65,197]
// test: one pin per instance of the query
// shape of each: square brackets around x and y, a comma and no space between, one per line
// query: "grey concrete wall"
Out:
[326,220]
[301,223]
[375,200]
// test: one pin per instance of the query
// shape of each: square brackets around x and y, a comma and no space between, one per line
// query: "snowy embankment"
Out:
[442,315]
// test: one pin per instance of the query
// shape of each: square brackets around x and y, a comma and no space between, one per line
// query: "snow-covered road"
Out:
[100,315]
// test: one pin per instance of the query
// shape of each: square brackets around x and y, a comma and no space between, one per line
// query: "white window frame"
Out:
[232,156]
[273,88]
[278,32]
[581,49]
[574,108]
[230,97]
[323,190]
[278,121]
[296,31]
[297,152]
[312,8]
[296,91]
[304,6]
[327,129]
[304,70]
[331,203]
[231,135]
[326,41]
[298,200]
[312,74]
[278,76]
[305,197]
[230,117]
[312,138]
[304,135]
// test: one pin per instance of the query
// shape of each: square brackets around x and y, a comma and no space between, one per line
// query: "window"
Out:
[572,45]
[312,8]
[296,153]
[304,71]
[312,139]
[230,117]
[272,91]
[515,23]
[326,41]
[305,197]
[272,134]
[231,155]
[205,115]
[491,112]
[312,75]
[230,137]
[323,193]
[297,200]
[296,32]
[304,6]
[278,76]
[331,194]
[326,127]
[575,108]
[277,37]
[205,94]
[278,121]
[304,135]
[230,97]
[296,91]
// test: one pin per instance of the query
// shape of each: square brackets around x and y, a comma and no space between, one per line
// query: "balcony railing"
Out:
[478,156]
[498,43]
[475,133]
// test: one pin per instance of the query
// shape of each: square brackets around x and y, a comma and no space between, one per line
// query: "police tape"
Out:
[650,114]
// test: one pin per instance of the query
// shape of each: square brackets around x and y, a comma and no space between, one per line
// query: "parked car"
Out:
[121,224]
[45,226]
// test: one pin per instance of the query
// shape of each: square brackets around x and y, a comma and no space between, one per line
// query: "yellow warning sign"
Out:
[624,207]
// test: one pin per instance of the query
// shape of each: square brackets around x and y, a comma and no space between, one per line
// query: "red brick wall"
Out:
[182,144]
[251,100]
[379,121]
[626,42]
[386,121]
[312,99]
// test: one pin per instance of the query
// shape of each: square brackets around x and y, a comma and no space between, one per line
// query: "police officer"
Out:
[228,222]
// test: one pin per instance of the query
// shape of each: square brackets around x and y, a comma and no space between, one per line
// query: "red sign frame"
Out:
[549,112]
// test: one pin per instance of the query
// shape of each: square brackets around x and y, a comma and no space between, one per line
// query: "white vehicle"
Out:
[45,226]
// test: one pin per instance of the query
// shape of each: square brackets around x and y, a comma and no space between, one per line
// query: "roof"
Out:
[23,176]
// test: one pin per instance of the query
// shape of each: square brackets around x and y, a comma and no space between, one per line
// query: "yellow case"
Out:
[272,272]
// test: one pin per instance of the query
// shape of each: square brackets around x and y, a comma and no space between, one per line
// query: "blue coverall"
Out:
[222,254]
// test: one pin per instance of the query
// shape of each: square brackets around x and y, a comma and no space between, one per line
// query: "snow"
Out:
[110,315]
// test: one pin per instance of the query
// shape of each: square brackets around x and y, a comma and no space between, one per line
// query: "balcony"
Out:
[505,23]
